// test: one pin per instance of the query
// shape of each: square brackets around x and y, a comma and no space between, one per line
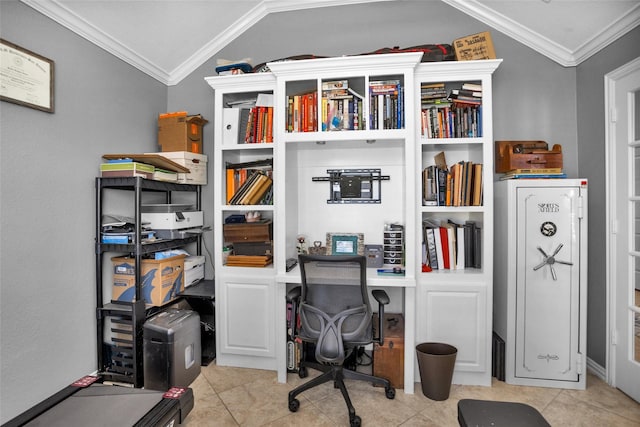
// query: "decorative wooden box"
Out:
[245,232]
[388,358]
[512,155]
[250,238]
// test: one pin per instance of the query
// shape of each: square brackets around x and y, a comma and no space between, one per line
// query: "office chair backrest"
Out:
[334,306]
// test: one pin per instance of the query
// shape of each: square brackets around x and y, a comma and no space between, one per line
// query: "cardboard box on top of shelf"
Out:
[179,132]
[475,46]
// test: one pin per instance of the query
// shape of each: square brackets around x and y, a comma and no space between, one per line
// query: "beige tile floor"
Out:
[247,397]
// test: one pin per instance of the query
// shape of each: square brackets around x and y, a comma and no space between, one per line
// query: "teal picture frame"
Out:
[345,243]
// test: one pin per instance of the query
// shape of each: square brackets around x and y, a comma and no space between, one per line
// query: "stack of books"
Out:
[341,106]
[454,113]
[534,173]
[130,168]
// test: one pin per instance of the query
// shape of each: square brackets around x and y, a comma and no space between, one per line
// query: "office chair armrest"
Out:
[383,299]
[380,296]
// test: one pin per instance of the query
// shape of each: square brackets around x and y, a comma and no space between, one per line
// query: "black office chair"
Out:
[336,316]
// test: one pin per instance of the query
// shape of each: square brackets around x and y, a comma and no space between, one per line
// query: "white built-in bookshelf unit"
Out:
[372,124]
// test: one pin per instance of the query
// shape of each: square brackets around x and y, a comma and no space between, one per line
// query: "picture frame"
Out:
[345,243]
[26,78]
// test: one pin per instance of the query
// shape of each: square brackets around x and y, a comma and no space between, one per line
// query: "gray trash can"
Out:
[436,362]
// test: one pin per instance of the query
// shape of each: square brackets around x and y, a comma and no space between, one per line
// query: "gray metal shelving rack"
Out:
[122,362]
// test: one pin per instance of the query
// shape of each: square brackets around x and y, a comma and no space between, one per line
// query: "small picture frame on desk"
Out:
[345,243]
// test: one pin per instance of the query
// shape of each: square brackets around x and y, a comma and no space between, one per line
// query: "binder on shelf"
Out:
[230,119]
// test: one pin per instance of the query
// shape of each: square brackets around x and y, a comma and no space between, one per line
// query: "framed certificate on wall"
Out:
[26,78]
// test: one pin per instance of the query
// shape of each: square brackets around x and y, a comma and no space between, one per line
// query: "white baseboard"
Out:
[597,370]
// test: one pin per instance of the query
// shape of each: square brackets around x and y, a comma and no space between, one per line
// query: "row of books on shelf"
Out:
[302,112]
[250,183]
[451,113]
[342,107]
[459,185]
[386,104]
[258,124]
[447,245]
[255,118]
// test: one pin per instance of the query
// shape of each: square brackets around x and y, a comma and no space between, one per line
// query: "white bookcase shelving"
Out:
[251,302]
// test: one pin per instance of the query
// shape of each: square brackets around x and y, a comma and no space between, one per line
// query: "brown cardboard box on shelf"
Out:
[510,155]
[196,163]
[475,46]
[162,279]
[180,132]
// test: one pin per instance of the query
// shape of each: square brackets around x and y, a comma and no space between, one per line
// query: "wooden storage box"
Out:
[246,232]
[511,155]
[388,358]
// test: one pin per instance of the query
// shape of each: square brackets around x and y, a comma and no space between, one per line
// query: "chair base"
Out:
[337,374]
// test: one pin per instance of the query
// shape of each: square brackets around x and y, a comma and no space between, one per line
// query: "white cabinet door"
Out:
[457,315]
[246,317]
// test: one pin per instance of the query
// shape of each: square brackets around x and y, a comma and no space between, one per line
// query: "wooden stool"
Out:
[485,413]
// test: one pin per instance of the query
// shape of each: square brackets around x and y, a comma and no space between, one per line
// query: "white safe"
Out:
[540,281]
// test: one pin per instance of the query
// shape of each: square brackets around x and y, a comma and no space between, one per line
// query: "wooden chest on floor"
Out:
[388,358]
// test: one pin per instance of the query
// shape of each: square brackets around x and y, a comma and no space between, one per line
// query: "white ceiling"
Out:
[169,39]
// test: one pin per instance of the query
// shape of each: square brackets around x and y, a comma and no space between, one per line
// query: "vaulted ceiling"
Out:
[169,39]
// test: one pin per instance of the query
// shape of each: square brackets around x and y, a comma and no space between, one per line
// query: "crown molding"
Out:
[608,35]
[563,56]
[68,19]
[237,28]
[508,26]
[65,17]
[543,45]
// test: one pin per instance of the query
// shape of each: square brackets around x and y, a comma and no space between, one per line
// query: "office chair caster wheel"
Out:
[390,392]
[356,421]
[294,405]
[302,372]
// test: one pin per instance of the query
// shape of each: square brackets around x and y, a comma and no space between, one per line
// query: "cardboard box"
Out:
[179,132]
[193,269]
[197,164]
[475,46]
[162,280]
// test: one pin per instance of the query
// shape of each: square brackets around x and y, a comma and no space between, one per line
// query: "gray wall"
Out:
[591,163]
[47,167]
[48,161]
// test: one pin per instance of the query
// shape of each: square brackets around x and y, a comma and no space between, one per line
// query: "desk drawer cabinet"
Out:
[247,232]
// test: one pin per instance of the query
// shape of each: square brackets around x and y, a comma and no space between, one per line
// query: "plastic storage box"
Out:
[172,349]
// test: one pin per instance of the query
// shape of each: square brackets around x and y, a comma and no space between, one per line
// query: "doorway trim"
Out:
[610,80]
